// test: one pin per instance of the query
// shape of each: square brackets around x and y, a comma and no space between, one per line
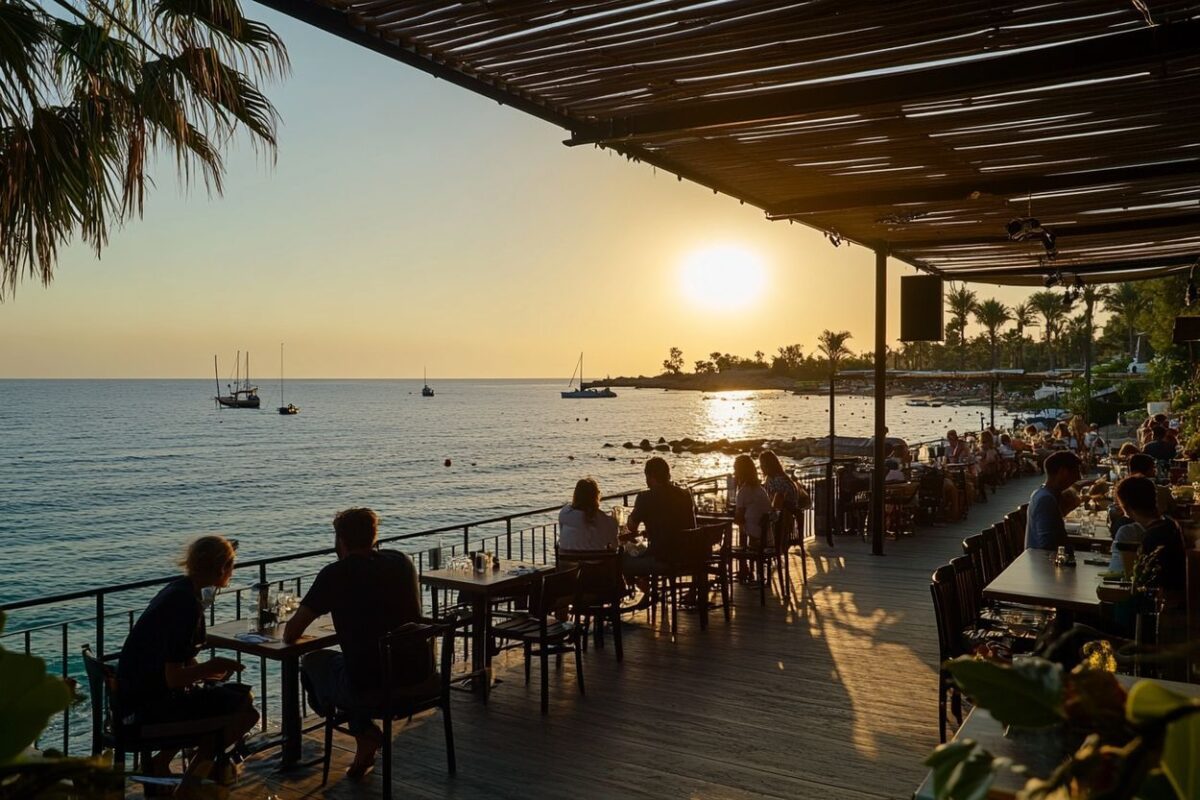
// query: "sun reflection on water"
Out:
[729,415]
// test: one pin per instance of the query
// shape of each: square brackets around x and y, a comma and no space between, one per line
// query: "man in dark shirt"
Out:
[1158,447]
[662,507]
[1044,526]
[369,593]
[1162,543]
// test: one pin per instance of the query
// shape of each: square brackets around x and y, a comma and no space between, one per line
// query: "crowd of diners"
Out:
[370,591]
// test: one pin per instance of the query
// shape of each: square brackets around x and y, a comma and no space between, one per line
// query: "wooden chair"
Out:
[792,535]
[425,687]
[1193,611]
[601,588]
[946,611]
[689,555]
[768,560]
[1014,529]
[108,733]
[900,508]
[931,493]
[1003,544]
[542,634]
[720,563]
[991,552]
[973,547]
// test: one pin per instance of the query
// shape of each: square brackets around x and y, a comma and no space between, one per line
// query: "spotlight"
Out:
[1052,279]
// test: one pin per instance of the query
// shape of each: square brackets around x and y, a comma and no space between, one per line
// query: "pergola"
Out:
[998,142]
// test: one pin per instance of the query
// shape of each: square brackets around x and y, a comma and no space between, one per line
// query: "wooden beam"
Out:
[1009,70]
[1098,268]
[921,192]
[1065,233]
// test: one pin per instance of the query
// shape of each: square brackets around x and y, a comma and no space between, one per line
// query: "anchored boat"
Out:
[239,394]
[582,393]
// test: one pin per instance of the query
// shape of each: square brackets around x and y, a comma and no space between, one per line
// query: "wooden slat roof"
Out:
[919,127]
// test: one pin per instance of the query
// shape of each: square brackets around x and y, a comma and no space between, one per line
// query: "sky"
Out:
[407,223]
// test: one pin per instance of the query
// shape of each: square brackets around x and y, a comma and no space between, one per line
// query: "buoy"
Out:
[446,463]
[570,458]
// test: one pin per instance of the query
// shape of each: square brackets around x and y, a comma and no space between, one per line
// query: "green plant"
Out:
[1137,745]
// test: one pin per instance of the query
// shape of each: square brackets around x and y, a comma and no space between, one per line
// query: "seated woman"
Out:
[753,503]
[581,526]
[159,679]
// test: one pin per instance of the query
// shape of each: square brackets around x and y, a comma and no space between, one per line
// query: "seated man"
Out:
[1162,543]
[369,592]
[1158,447]
[1044,526]
[663,506]
[1144,466]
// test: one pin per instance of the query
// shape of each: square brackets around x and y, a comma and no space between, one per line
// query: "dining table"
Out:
[247,637]
[480,589]
[1040,750]
[1034,579]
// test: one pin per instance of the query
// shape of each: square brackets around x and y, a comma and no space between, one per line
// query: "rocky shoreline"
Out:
[795,448]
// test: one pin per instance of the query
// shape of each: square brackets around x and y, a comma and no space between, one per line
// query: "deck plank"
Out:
[832,696]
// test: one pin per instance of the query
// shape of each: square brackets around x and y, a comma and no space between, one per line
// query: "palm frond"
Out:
[221,26]
[24,43]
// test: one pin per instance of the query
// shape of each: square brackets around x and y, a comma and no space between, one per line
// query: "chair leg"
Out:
[327,756]
[702,601]
[545,664]
[451,763]
[672,589]
[387,758]
[579,666]
[528,658]
[763,577]
[616,626]
[726,593]
[942,708]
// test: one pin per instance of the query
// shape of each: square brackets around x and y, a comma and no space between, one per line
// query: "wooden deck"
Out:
[833,697]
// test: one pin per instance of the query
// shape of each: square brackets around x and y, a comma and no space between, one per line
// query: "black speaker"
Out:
[921,309]
[1187,329]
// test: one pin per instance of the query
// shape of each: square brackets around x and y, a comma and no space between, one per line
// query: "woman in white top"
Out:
[581,526]
[753,503]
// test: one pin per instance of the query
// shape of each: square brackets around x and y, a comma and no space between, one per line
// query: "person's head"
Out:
[1158,433]
[1142,464]
[1138,498]
[952,436]
[769,463]
[1005,439]
[586,497]
[986,439]
[1094,427]
[355,530]
[744,471]
[1061,431]
[208,560]
[1031,431]
[1062,469]
[658,472]
[1128,450]
[1160,420]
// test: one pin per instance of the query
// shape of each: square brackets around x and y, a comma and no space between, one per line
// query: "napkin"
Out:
[256,638]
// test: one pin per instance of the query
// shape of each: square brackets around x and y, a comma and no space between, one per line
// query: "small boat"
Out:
[581,393]
[289,409]
[239,394]
[426,390]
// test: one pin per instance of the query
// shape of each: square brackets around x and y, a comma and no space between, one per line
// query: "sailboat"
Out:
[289,409]
[426,390]
[582,393]
[239,394]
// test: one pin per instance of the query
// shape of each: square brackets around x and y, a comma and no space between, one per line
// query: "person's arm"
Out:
[298,624]
[635,519]
[180,675]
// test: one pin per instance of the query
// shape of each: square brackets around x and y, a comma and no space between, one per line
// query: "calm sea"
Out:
[103,481]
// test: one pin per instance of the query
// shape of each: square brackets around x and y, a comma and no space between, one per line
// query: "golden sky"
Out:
[409,223]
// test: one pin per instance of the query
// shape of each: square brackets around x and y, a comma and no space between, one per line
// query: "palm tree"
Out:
[992,315]
[1050,306]
[833,346]
[961,303]
[1126,301]
[1023,316]
[1091,295]
[87,100]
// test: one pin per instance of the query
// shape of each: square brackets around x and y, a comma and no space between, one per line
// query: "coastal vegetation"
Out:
[88,99]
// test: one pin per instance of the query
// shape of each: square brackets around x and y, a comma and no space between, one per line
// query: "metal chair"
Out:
[601,588]
[946,611]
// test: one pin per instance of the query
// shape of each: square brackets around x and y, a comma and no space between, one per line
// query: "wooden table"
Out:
[1033,579]
[319,636]
[1041,750]
[481,588]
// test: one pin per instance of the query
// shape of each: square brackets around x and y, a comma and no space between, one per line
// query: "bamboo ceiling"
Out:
[921,128]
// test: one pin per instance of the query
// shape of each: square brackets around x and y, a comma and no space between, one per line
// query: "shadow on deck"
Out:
[832,697]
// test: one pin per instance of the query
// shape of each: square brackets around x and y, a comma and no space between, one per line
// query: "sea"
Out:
[104,481]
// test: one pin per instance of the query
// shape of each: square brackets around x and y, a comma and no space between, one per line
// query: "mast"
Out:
[247,371]
[237,373]
[217,378]
[281,373]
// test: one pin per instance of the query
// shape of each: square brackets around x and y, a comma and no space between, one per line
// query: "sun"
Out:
[722,277]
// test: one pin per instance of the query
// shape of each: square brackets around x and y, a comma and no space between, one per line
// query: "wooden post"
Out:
[880,401]
[829,471]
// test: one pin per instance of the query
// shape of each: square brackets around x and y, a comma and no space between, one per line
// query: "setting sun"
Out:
[723,277]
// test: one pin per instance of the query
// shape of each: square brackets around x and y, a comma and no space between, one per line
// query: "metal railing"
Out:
[98,615]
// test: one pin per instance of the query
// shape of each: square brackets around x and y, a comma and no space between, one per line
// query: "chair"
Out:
[1015,531]
[991,553]
[689,557]
[424,688]
[899,507]
[792,535]
[541,633]
[769,558]
[973,547]
[109,733]
[1003,544]
[601,588]
[931,493]
[1193,611]
[720,563]
[946,611]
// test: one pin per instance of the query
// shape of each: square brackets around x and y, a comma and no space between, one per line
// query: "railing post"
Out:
[66,649]
[466,538]
[508,538]
[100,625]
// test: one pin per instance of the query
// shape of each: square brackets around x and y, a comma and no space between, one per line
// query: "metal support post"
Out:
[880,401]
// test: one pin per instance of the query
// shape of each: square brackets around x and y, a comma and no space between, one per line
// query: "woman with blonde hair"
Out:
[752,512]
[160,681]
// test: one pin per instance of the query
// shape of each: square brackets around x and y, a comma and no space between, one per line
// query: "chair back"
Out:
[407,655]
[689,550]
[600,578]
[946,611]
[1193,608]
[973,548]
[557,589]
[1014,529]
[102,684]
[970,593]
[991,553]
[1003,544]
